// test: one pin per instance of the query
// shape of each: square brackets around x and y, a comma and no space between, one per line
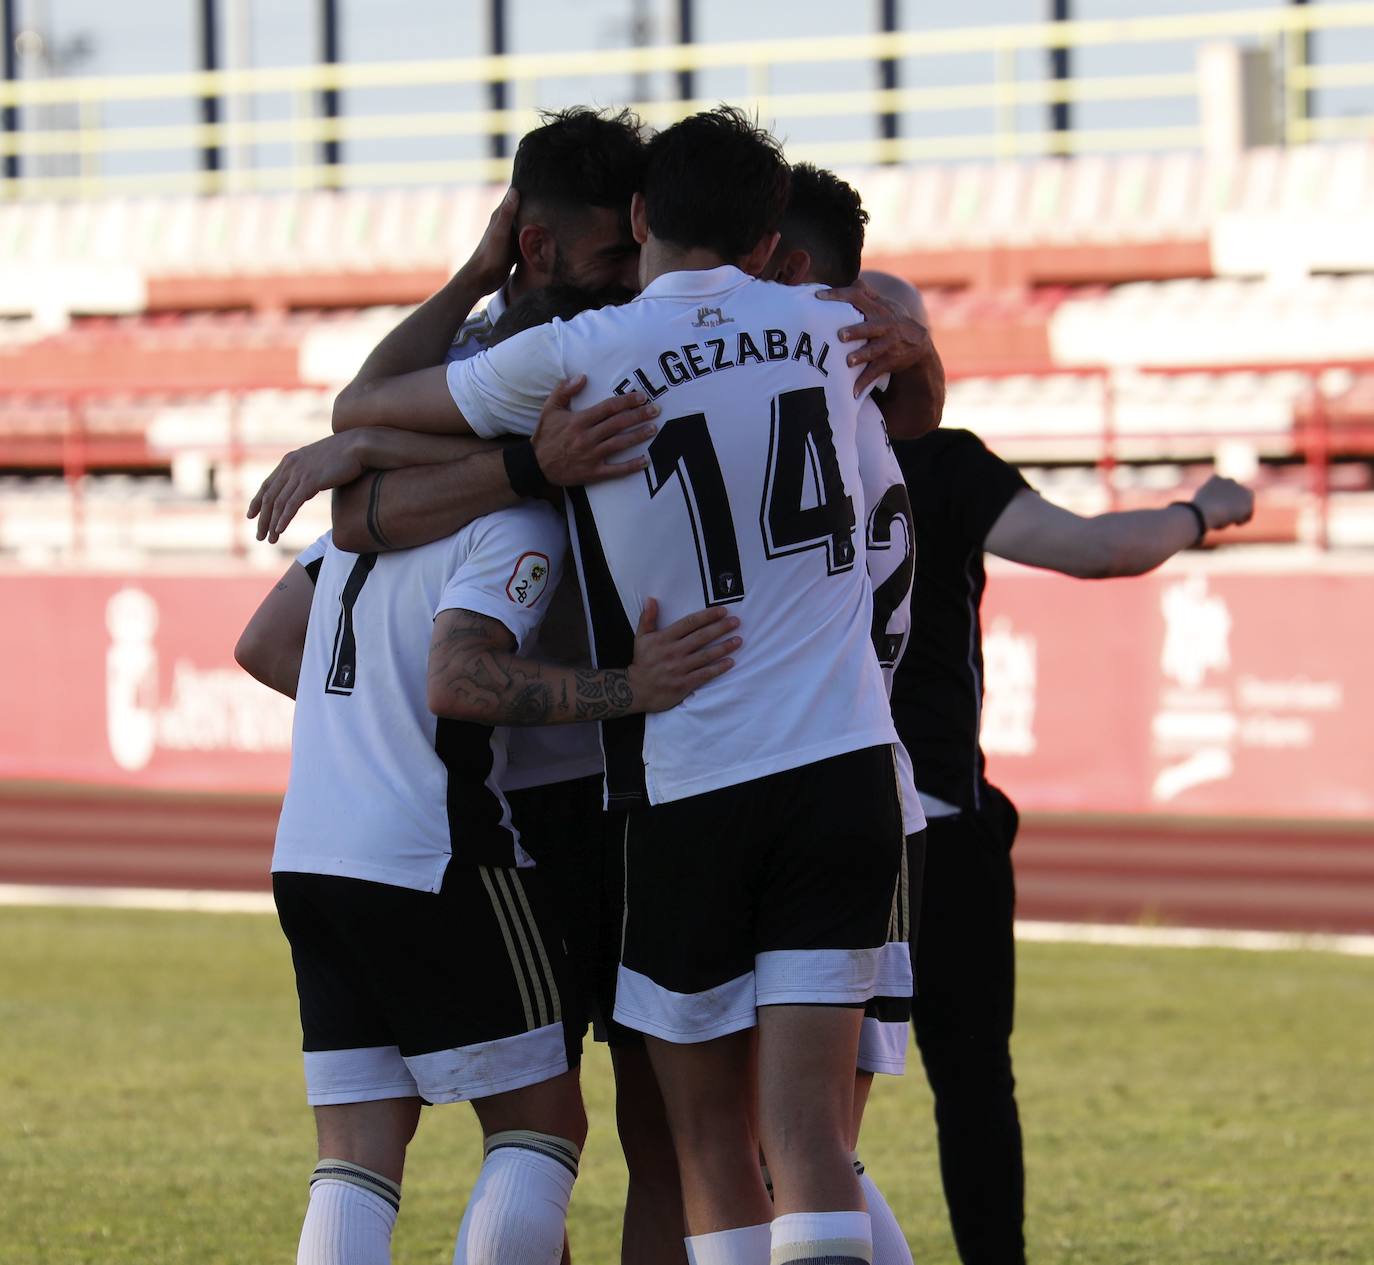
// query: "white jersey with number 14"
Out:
[752,499]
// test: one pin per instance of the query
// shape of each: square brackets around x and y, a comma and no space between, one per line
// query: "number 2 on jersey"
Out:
[343,667]
[801,442]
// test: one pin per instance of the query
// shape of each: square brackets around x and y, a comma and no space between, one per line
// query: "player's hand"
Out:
[327,463]
[574,447]
[892,340]
[672,662]
[497,252]
[1224,502]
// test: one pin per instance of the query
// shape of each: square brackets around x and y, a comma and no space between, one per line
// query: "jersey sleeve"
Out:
[502,390]
[979,484]
[313,554]
[511,570]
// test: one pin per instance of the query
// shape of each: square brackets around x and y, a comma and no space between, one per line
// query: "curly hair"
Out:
[826,218]
[715,180]
[580,157]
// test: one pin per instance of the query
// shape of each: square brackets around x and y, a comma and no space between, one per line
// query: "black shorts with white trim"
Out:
[580,849]
[883,1039]
[447,996]
[774,891]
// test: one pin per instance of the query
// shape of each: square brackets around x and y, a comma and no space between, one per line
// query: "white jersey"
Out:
[539,755]
[380,787]
[891,543]
[752,499]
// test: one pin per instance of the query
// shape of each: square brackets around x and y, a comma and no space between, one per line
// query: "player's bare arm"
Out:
[403,508]
[895,340]
[269,648]
[402,382]
[475,674]
[338,460]
[1037,533]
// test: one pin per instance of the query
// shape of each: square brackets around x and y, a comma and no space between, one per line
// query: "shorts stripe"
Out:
[549,981]
[499,910]
[522,935]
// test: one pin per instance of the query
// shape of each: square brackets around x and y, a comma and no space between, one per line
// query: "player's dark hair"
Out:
[578,158]
[826,218]
[715,180]
[539,307]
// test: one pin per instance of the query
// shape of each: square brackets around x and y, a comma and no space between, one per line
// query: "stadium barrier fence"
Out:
[67,148]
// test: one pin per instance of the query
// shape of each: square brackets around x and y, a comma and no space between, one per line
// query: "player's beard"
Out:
[561,274]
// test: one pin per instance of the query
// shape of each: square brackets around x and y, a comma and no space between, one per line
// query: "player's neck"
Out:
[657,258]
[520,283]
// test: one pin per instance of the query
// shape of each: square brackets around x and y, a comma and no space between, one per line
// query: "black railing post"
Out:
[496,89]
[329,55]
[9,115]
[1061,68]
[210,156]
[686,76]
[888,120]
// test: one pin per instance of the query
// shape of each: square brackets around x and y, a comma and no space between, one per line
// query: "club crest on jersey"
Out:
[710,317]
[528,580]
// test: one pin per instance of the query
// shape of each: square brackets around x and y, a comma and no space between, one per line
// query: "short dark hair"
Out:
[539,307]
[578,158]
[826,218]
[715,180]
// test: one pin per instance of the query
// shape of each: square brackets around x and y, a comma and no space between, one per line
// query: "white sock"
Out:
[837,1238]
[350,1218]
[746,1246]
[889,1243]
[519,1207]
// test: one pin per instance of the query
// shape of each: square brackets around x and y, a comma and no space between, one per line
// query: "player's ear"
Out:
[757,259]
[791,267]
[536,249]
[639,218]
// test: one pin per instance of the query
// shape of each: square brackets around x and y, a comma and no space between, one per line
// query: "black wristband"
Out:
[522,469]
[1201,521]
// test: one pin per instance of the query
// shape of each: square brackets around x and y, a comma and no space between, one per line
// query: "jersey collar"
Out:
[696,284]
[497,304]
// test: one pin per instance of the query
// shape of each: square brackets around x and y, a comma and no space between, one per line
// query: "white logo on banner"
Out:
[1009,671]
[1195,728]
[210,709]
[1197,636]
[1200,726]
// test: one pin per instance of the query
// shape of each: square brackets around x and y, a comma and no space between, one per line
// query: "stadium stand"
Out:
[1147,315]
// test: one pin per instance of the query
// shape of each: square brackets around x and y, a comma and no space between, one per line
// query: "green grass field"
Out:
[1179,1105]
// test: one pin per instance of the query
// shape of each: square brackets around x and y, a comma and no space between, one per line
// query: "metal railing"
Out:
[1313,441]
[100,159]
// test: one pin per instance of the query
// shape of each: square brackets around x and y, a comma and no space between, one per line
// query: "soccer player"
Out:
[765,841]
[398,869]
[967,501]
[822,243]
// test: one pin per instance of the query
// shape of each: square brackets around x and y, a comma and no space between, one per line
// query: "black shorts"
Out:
[777,891]
[580,849]
[883,1039]
[446,996]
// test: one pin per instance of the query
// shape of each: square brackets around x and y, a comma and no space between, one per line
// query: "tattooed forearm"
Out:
[374,515]
[475,675]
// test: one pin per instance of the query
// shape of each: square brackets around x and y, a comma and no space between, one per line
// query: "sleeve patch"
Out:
[529,579]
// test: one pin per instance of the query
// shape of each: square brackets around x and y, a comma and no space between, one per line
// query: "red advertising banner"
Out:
[1196,690]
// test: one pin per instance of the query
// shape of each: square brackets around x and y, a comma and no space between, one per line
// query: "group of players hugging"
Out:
[593,723]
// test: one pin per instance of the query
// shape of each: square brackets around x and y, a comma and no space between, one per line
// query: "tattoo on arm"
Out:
[475,671]
[374,518]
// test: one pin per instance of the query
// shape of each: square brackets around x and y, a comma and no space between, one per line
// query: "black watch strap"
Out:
[1197,514]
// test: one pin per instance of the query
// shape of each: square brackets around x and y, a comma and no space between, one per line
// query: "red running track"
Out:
[1265,875]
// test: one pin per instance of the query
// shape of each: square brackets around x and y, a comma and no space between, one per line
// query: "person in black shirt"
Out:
[966,500]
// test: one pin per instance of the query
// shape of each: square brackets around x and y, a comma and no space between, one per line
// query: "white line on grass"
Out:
[209,902]
[169,898]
